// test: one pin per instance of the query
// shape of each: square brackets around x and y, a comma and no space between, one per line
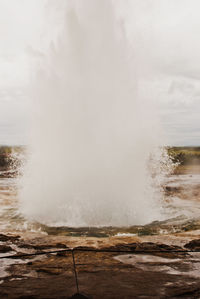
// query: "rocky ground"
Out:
[101,275]
[137,272]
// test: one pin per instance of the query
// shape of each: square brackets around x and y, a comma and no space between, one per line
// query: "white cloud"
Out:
[21,24]
[168,35]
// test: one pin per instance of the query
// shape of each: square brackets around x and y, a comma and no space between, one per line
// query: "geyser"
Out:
[92,133]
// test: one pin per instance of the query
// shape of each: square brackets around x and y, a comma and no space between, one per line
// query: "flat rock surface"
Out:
[134,267]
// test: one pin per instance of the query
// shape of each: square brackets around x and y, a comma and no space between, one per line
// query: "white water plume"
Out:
[92,131]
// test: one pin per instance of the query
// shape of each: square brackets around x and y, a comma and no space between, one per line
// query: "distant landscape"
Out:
[184,156]
[10,158]
[187,159]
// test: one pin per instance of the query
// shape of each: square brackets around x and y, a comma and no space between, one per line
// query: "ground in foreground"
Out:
[101,275]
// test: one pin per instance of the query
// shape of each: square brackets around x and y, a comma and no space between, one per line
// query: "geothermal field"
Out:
[99,149]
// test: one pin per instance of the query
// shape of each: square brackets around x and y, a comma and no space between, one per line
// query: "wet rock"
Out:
[62,253]
[27,246]
[85,248]
[5,248]
[23,256]
[156,249]
[145,246]
[190,226]
[79,296]
[3,295]
[6,238]
[171,188]
[102,276]
[27,297]
[149,246]
[42,246]
[121,247]
[193,245]
[162,250]
[61,245]
[48,270]
[185,292]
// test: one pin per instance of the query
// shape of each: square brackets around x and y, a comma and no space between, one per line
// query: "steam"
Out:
[93,127]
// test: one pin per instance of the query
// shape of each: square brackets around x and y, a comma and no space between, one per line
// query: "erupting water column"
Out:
[91,137]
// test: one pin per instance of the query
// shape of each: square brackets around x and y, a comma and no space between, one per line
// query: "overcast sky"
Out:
[167,34]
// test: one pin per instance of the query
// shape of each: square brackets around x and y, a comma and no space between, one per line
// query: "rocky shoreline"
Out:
[100,274]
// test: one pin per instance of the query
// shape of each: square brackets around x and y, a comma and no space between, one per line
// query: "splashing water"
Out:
[92,132]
